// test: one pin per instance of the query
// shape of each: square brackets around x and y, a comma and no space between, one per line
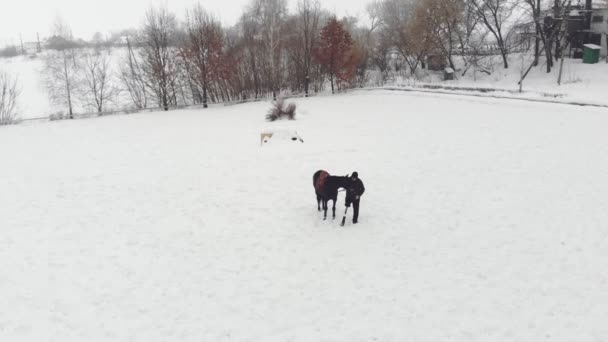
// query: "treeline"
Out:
[270,51]
[198,61]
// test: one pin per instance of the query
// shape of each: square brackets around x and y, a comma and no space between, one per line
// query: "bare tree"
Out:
[61,36]
[96,84]
[158,56]
[61,67]
[61,75]
[300,38]
[241,47]
[132,78]
[270,16]
[380,52]
[380,39]
[363,40]
[495,14]
[273,13]
[471,39]
[308,16]
[534,6]
[549,30]
[9,92]
[204,51]
[557,30]
[443,19]
[409,33]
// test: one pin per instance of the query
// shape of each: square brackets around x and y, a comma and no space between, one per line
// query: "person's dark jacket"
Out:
[355,189]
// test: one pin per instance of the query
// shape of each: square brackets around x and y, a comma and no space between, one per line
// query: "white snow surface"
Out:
[483,220]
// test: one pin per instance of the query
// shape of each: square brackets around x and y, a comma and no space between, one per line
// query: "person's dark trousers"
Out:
[356,210]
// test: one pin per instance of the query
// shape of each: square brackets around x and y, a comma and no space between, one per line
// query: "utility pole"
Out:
[21,40]
[565,24]
[38,46]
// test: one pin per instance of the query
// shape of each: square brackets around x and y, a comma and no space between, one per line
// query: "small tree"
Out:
[495,15]
[62,72]
[158,56]
[9,51]
[61,66]
[335,53]
[416,42]
[443,20]
[132,78]
[307,28]
[204,51]
[281,111]
[9,92]
[95,81]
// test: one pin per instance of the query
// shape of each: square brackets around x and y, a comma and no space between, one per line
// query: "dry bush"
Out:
[9,92]
[281,111]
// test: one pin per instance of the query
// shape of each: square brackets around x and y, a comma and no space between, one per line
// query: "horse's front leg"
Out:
[325,210]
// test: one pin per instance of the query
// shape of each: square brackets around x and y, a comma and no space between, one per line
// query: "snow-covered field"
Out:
[483,220]
[33,101]
[583,83]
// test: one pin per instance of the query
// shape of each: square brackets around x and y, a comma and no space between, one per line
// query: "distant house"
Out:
[521,37]
[599,26]
[587,24]
[436,61]
[31,48]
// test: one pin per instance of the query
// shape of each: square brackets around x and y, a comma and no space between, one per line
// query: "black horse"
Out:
[326,188]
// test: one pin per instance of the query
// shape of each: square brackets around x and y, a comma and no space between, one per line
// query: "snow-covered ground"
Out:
[34,101]
[483,220]
[583,83]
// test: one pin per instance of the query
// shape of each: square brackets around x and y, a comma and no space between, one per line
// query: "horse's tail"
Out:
[318,180]
[315,177]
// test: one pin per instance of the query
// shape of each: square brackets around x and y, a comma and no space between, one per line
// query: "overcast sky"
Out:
[86,17]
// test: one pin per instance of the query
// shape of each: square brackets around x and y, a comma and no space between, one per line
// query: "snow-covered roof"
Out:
[593,46]
[449,70]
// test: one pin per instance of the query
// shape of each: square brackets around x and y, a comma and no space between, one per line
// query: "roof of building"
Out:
[593,46]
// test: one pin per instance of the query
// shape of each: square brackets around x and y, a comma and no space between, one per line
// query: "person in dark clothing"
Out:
[353,194]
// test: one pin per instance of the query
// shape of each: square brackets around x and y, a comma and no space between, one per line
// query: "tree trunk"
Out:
[504,58]
[537,36]
[536,48]
[205,94]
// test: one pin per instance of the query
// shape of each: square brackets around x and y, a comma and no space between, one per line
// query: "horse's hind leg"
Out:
[325,210]
[318,203]
[334,209]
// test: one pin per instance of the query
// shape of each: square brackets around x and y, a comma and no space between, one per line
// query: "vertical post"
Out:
[605,37]
[561,68]
[21,40]
[273,45]
[566,25]
[38,46]
[521,84]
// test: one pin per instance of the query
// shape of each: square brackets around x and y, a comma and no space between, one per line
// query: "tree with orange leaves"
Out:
[336,53]
[204,53]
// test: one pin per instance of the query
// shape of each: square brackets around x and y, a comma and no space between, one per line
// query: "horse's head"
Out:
[343,182]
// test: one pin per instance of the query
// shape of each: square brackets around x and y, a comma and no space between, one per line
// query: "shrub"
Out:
[9,52]
[57,116]
[9,92]
[280,111]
